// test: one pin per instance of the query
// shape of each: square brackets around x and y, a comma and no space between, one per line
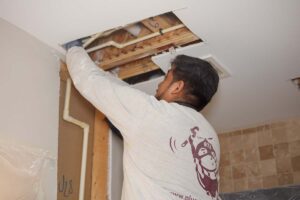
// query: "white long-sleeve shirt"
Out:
[170,150]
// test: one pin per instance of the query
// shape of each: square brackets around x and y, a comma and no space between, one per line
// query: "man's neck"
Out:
[184,103]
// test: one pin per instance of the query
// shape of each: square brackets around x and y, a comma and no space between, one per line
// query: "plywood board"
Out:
[70,146]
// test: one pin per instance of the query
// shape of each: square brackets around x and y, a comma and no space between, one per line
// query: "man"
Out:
[170,150]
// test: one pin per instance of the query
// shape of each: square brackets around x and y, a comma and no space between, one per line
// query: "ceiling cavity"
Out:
[126,51]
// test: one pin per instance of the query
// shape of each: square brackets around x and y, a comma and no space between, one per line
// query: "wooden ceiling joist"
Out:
[156,23]
[130,48]
[149,47]
[137,67]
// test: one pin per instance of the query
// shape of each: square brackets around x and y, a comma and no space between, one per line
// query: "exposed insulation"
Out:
[131,47]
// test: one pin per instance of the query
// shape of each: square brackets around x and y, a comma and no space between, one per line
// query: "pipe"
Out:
[118,45]
[86,127]
[97,35]
[91,39]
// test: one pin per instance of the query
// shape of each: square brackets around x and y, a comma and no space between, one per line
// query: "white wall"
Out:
[29,86]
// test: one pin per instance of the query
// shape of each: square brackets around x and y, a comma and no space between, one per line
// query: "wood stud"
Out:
[137,67]
[135,59]
[150,47]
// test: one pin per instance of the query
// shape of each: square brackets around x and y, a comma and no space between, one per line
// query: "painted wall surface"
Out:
[29,85]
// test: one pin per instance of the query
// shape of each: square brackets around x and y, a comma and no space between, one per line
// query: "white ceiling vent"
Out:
[296,82]
[223,73]
[200,50]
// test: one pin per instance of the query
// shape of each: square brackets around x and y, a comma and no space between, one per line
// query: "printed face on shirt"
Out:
[162,89]
[205,160]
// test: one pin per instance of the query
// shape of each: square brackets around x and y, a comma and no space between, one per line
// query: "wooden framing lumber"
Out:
[149,47]
[137,67]
[63,73]
[155,23]
[134,59]
[100,158]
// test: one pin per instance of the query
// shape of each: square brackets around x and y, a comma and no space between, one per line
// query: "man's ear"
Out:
[177,87]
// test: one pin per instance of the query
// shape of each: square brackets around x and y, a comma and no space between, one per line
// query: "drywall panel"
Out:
[70,146]
[29,85]
[56,22]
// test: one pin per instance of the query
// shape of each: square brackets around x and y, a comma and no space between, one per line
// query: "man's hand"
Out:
[71,44]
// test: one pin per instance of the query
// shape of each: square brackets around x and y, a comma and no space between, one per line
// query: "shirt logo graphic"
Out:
[205,160]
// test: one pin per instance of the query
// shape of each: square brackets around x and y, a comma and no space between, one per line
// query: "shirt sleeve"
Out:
[123,105]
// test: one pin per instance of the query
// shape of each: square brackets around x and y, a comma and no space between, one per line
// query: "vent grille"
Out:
[223,73]
[296,81]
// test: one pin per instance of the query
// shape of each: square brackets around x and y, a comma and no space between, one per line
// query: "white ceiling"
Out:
[257,41]
[59,21]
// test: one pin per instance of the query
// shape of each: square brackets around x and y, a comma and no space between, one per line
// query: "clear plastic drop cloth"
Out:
[21,170]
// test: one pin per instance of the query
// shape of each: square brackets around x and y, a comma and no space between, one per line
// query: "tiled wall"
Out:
[260,157]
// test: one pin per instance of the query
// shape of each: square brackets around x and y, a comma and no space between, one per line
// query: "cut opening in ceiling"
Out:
[127,50]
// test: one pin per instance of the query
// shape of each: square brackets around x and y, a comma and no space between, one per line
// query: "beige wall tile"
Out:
[226,186]
[251,154]
[265,156]
[294,148]
[262,128]
[226,173]
[281,150]
[296,163]
[293,130]
[296,177]
[224,142]
[283,165]
[253,169]
[240,185]
[235,133]
[249,130]
[235,141]
[293,134]
[250,139]
[266,152]
[268,167]
[285,179]
[225,159]
[270,181]
[237,156]
[279,135]
[239,171]
[264,137]
[278,124]
[254,183]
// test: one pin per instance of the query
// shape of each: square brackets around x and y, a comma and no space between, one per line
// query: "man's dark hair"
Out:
[200,79]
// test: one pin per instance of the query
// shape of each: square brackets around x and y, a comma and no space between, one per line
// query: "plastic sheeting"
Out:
[21,170]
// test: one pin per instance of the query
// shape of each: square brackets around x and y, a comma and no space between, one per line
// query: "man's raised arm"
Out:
[123,105]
